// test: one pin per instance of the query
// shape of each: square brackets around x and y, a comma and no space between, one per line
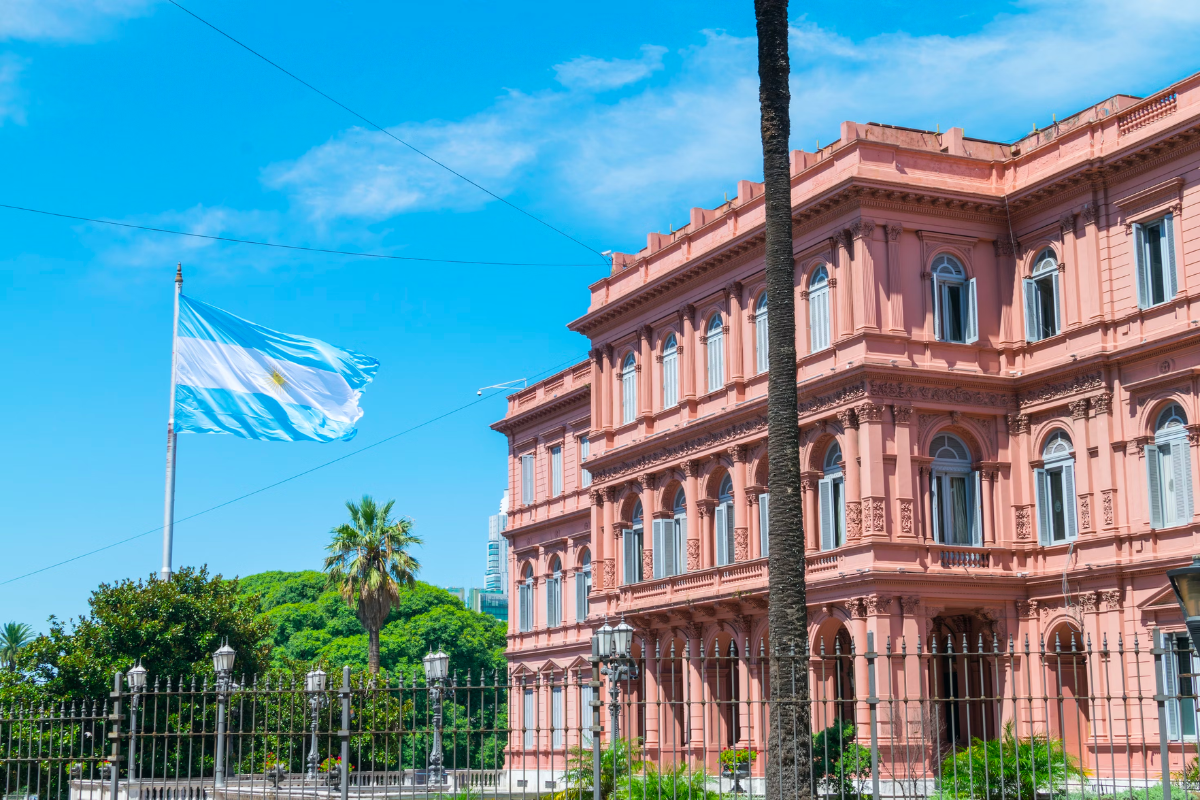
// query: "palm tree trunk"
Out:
[788,762]
[373,650]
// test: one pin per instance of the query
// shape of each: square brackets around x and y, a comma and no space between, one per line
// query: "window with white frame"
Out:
[1154,252]
[1042,316]
[764,527]
[954,488]
[1179,685]
[818,310]
[585,712]
[529,720]
[527,479]
[556,470]
[670,372]
[955,315]
[525,601]
[760,335]
[631,546]
[554,594]
[1169,470]
[558,718]
[724,522]
[629,390]
[668,544]
[715,342]
[831,493]
[585,475]
[583,586]
[1056,491]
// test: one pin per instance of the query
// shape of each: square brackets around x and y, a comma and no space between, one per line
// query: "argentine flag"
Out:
[233,376]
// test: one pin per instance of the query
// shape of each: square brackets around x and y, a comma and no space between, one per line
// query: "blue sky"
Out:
[607,121]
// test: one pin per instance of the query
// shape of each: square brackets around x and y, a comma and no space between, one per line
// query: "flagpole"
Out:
[169,504]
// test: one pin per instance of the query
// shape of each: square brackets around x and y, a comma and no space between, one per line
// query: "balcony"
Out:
[743,577]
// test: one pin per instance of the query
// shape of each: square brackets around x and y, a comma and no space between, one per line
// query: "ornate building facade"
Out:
[999,386]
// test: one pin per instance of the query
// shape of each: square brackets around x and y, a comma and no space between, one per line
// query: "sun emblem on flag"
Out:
[276,381]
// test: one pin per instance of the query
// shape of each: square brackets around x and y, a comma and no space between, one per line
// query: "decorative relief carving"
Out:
[1088,213]
[1018,424]
[738,453]
[1107,505]
[873,513]
[1102,403]
[757,603]
[691,469]
[597,498]
[869,412]
[906,516]
[1006,246]
[741,544]
[693,555]
[845,394]
[1027,608]
[1085,511]
[940,394]
[610,574]
[1024,526]
[647,564]
[705,442]
[862,228]
[848,418]
[909,605]
[876,605]
[1087,601]
[1053,391]
[1111,598]
[854,521]
[857,607]
[1079,408]
[901,414]
[1067,222]
[927,421]
[893,232]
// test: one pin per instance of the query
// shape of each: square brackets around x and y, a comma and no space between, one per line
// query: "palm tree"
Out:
[13,637]
[788,763]
[369,561]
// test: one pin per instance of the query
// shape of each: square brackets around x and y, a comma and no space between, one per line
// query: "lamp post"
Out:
[136,679]
[223,665]
[314,684]
[614,647]
[436,666]
[1186,583]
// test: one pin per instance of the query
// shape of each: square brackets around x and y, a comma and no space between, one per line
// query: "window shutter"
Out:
[937,303]
[584,452]
[670,379]
[1033,329]
[629,556]
[1069,499]
[1168,245]
[764,524]
[972,322]
[935,498]
[1170,662]
[1141,268]
[721,527]
[585,716]
[680,544]
[658,547]
[1057,304]
[760,340]
[1043,506]
[527,479]
[529,721]
[716,366]
[1183,488]
[825,490]
[975,508]
[557,717]
[580,596]
[1154,486]
[556,470]
[526,607]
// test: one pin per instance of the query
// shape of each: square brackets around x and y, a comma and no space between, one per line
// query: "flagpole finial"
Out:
[179,273]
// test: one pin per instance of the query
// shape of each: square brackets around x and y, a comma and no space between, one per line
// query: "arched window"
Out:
[760,334]
[629,390]
[725,522]
[954,305]
[955,493]
[832,495]
[1041,299]
[554,594]
[670,372]
[631,546]
[525,601]
[818,310]
[1056,491]
[583,586]
[669,537]
[1169,470]
[1154,251]
[716,353]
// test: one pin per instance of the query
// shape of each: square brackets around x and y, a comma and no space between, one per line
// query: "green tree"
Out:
[1009,767]
[369,561]
[13,637]
[173,626]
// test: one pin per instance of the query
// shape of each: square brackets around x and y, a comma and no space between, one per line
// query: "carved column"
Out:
[645,376]
[907,527]
[911,647]
[843,293]
[687,360]
[708,538]
[853,485]
[652,698]
[743,677]
[809,484]
[988,477]
[752,522]
[737,373]
[618,560]
[874,487]
[597,394]
[695,690]
[606,394]
[1104,486]
[1083,464]
[691,470]
[597,530]
[924,470]
[741,528]
[1093,302]
[866,282]
[612,531]
[1069,289]
[895,283]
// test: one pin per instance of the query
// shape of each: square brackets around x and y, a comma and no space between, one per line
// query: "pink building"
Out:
[999,384]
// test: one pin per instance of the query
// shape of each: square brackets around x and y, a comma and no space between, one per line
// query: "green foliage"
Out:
[1008,767]
[173,626]
[678,782]
[13,637]
[840,764]
[618,762]
[738,758]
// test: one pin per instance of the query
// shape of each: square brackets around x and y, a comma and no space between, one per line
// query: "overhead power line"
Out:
[286,246]
[386,132]
[268,487]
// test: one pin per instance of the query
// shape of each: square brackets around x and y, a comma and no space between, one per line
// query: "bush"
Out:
[678,782]
[840,765]
[1008,767]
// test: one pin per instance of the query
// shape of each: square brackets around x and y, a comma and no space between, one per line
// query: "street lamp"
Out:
[614,648]
[223,665]
[436,668]
[136,678]
[314,684]
[1186,583]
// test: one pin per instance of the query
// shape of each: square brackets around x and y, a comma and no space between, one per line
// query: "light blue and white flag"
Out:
[233,376]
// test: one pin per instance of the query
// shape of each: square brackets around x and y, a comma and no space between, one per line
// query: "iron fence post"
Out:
[597,704]
[1160,697]
[872,703]
[219,749]
[344,733]
[114,736]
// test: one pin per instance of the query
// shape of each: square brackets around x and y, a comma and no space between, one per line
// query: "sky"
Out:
[604,121]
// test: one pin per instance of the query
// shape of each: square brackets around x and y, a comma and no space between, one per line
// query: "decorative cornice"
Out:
[509,424]
[696,445]
[939,394]
[1053,391]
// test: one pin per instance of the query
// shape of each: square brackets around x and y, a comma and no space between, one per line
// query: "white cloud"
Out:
[598,74]
[64,20]
[12,106]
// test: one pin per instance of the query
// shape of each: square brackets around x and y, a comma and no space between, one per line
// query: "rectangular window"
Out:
[764,527]
[554,602]
[556,471]
[1169,473]
[818,324]
[955,310]
[1041,307]
[557,717]
[631,544]
[955,501]
[585,477]
[527,479]
[832,498]
[670,375]
[628,394]
[726,548]
[585,716]
[716,360]
[529,720]
[525,612]
[1154,252]
[583,588]
[760,341]
[680,531]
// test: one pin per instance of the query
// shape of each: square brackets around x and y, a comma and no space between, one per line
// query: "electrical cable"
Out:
[386,132]
[281,482]
[285,246]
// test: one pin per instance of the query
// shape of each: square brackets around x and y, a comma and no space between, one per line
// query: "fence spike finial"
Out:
[822,646]
[904,646]
[888,648]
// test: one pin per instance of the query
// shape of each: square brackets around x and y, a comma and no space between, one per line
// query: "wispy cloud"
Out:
[12,105]
[599,74]
[64,20]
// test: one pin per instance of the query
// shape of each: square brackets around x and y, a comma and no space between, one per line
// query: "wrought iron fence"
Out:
[1067,719]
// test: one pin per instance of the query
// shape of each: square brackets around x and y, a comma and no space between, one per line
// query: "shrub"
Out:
[840,765]
[732,759]
[678,782]
[1007,767]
